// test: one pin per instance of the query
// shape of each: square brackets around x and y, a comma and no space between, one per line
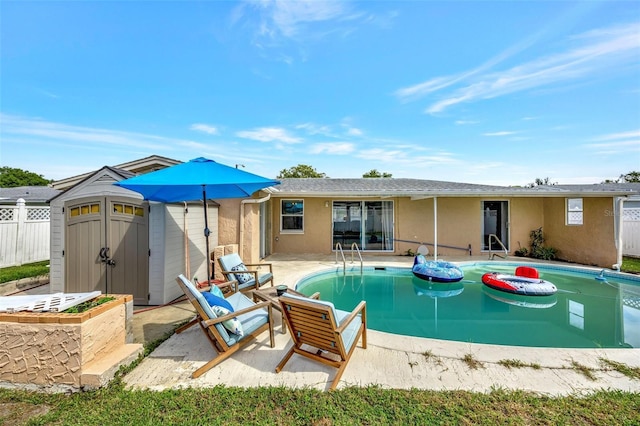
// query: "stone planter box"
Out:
[62,352]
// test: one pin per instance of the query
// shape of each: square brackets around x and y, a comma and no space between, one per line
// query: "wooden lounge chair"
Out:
[248,275]
[254,318]
[317,324]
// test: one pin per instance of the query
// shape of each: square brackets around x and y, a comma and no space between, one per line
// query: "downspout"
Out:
[187,259]
[241,219]
[619,243]
[435,228]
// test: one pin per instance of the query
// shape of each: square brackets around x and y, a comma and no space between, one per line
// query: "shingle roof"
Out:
[427,188]
[31,194]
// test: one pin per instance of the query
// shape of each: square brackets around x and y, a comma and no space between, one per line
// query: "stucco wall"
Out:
[229,229]
[228,214]
[42,349]
[460,224]
[591,243]
[316,237]
[526,215]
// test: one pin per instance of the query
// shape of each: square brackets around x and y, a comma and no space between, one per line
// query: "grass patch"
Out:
[471,362]
[631,372]
[85,306]
[114,405]
[583,369]
[630,264]
[516,363]
[13,273]
[428,355]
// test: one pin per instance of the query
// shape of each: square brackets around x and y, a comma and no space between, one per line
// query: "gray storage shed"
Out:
[107,238]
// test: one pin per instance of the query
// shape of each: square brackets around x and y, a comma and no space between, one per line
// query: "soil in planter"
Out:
[85,306]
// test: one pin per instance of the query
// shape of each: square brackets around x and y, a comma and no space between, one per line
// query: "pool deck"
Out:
[390,361]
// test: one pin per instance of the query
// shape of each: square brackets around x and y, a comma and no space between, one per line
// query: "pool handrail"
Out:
[344,261]
[493,255]
[357,249]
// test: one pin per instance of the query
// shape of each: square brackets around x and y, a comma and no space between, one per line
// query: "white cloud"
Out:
[406,157]
[595,52]
[82,137]
[206,128]
[465,122]
[269,134]
[315,129]
[290,19]
[616,143]
[503,133]
[623,135]
[335,148]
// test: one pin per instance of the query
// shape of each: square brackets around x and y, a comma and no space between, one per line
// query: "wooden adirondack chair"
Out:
[255,318]
[318,324]
[250,276]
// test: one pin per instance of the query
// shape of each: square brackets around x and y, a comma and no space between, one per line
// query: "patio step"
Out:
[100,372]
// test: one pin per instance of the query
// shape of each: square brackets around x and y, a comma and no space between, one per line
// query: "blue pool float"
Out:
[436,270]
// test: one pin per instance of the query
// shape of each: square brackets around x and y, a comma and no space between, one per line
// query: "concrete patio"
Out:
[421,363]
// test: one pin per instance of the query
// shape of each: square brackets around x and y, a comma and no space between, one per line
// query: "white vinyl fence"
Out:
[631,232]
[24,234]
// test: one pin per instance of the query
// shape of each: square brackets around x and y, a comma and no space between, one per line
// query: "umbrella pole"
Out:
[187,258]
[206,233]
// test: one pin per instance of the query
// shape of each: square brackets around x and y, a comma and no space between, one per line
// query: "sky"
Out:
[485,92]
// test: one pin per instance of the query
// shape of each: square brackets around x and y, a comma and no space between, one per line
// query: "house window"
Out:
[292,216]
[575,213]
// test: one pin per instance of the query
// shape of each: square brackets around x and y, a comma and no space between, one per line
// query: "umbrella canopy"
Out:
[187,181]
[198,179]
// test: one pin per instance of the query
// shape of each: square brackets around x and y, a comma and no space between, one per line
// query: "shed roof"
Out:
[419,188]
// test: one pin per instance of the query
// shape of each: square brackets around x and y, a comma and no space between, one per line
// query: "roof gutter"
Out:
[427,195]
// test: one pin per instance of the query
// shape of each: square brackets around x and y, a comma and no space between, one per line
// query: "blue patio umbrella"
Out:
[198,179]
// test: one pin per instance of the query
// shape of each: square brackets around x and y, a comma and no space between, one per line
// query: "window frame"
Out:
[568,212]
[283,215]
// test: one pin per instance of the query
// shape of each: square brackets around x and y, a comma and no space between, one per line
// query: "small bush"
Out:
[85,306]
[522,252]
[538,249]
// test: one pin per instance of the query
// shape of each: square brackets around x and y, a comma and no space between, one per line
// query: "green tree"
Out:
[300,171]
[631,177]
[374,173]
[11,177]
[538,182]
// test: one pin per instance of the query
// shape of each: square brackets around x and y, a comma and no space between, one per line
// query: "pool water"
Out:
[584,313]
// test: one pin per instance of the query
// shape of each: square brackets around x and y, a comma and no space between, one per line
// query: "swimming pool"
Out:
[585,312]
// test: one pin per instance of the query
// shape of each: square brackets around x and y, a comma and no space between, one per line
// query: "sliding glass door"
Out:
[366,223]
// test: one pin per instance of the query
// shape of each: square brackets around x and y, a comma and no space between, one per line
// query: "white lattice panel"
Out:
[7,214]
[631,215]
[38,213]
[633,302]
[45,302]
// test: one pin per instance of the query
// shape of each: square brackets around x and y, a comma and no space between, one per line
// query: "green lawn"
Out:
[24,271]
[630,264]
[351,406]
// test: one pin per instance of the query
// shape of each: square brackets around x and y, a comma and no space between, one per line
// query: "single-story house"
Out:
[393,216]
[150,243]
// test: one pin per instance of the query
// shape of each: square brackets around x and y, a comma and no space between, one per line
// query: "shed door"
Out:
[107,247]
